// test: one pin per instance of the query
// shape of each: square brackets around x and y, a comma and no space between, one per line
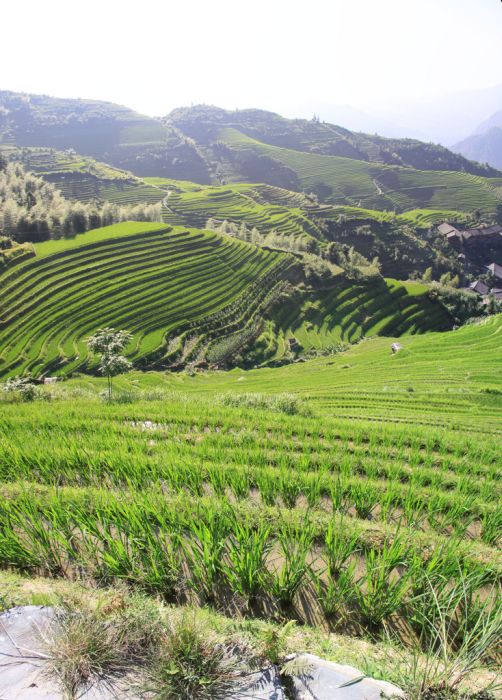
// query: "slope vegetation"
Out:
[203,124]
[186,295]
[83,178]
[103,130]
[339,180]
[362,504]
[148,278]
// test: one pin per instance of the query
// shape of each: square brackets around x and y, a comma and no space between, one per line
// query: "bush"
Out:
[281,403]
[460,303]
[22,387]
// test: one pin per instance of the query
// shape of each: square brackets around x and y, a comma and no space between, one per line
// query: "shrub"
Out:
[280,403]
[22,387]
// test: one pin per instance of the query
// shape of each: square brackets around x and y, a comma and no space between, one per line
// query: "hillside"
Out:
[105,131]
[486,147]
[187,296]
[83,178]
[208,145]
[360,501]
[340,180]
[203,124]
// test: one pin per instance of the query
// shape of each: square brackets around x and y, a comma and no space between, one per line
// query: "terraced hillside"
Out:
[151,279]
[187,295]
[441,380]
[266,208]
[419,218]
[362,501]
[339,180]
[312,322]
[402,242]
[83,178]
[203,123]
[103,130]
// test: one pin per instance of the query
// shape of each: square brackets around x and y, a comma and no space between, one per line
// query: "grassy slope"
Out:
[448,373]
[325,319]
[117,480]
[372,185]
[419,218]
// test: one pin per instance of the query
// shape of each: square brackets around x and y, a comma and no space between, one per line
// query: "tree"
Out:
[109,344]
[427,276]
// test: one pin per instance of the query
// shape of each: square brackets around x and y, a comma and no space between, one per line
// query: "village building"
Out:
[479,287]
[457,237]
[495,270]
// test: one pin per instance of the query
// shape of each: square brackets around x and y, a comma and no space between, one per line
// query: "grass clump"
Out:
[290,404]
[192,664]
[89,645]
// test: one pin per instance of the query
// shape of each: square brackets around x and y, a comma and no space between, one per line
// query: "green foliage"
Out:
[34,210]
[109,343]
[194,501]
[193,284]
[289,404]
[462,304]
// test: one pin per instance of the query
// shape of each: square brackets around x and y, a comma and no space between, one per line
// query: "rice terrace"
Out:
[250,397]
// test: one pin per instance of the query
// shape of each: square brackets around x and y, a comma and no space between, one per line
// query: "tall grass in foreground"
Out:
[460,631]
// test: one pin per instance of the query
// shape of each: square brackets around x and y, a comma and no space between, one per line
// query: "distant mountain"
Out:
[485,147]
[105,131]
[485,144]
[202,123]
[494,121]
[446,119]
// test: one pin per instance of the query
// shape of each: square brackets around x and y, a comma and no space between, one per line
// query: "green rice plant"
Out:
[45,540]
[295,544]
[491,527]
[387,506]
[381,590]
[314,489]
[240,484]
[247,551]
[132,550]
[336,595]
[267,484]
[218,480]
[289,489]
[340,543]
[204,549]
[415,510]
[338,496]
[365,499]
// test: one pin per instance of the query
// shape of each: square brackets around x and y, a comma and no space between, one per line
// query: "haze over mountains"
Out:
[485,143]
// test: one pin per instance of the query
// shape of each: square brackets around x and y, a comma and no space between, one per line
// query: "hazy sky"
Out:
[274,54]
